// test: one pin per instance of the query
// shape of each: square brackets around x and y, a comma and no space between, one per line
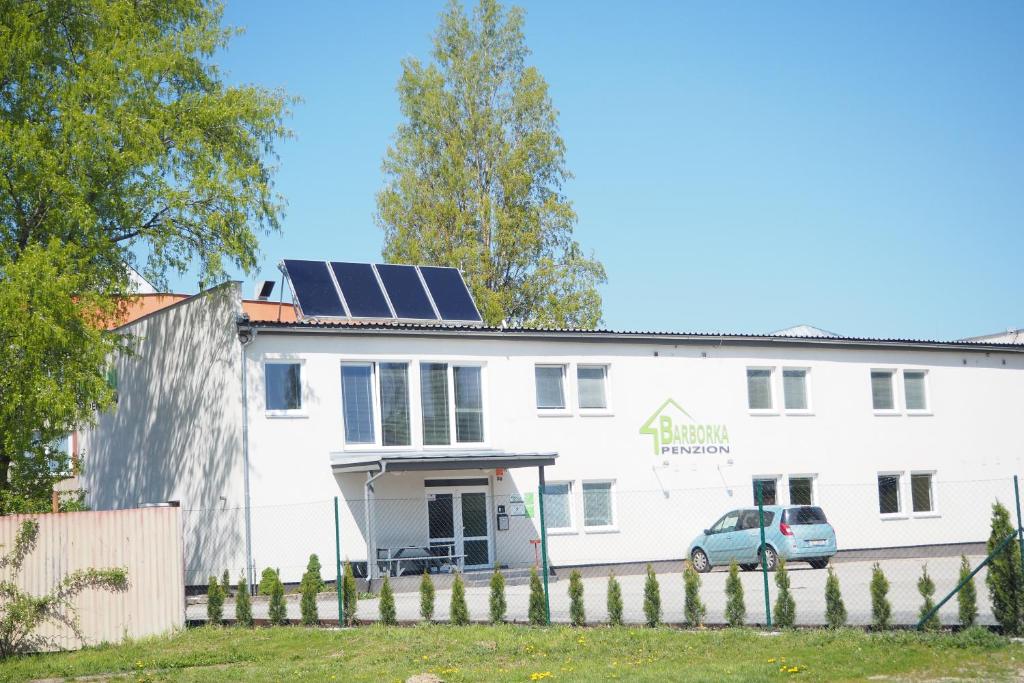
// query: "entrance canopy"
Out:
[409,461]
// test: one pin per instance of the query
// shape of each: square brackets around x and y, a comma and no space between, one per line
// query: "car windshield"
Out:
[804,515]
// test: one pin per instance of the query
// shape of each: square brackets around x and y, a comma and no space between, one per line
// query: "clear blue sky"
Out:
[739,166]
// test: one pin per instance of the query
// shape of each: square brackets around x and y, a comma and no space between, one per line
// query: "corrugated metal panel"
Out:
[147,542]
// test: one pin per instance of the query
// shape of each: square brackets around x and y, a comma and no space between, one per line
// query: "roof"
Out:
[599,335]
[1008,337]
[407,461]
[804,331]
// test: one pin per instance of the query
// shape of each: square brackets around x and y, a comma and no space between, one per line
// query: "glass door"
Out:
[475,537]
[459,518]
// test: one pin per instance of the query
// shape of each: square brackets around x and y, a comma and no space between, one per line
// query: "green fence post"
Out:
[543,544]
[337,558]
[1020,529]
[764,558]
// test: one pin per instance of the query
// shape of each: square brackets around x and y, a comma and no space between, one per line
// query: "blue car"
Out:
[798,533]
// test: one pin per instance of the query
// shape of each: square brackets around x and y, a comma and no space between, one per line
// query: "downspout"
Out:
[371,549]
[246,334]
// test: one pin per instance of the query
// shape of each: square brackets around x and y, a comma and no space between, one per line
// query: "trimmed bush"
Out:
[498,604]
[309,587]
[243,603]
[388,616]
[459,610]
[881,610]
[266,581]
[538,614]
[614,601]
[835,610]
[426,597]
[225,583]
[693,608]
[785,606]
[278,609]
[214,602]
[926,587]
[967,598]
[1004,579]
[735,608]
[577,613]
[652,599]
[349,594]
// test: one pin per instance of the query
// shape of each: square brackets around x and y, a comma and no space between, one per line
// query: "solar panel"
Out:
[450,294]
[314,289]
[361,290]
[406,292]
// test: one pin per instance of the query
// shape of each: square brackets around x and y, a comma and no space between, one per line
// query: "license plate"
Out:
[817,541]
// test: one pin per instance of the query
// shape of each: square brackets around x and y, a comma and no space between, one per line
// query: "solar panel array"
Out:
[381,291]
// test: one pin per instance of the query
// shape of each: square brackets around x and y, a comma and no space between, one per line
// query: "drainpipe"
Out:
[246,333]
[371,550]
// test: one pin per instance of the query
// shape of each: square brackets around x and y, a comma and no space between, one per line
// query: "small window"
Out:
[914,390]
[794,389]
[768,490]
[881,390]
[801,490]
[550,387]
[921,492]
[597,504]
[759,389]
[284,386]
[889,494]
[394,404]
[558,506]
[469,405]
[357,403]
[590,382]
[434,404]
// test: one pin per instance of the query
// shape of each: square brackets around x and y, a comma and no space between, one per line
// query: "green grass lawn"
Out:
[517,653]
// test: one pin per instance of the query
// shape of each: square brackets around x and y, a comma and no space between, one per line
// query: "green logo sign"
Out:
[674,432]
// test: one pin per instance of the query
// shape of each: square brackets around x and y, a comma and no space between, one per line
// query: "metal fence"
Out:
[905,523]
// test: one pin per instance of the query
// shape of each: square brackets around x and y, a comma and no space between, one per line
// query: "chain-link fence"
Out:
[903,522]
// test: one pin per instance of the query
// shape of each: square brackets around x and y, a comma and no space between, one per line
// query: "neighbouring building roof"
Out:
[1008,337]
[141,305]
[804,331]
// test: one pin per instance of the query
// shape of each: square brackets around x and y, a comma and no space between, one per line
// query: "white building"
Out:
[645,438]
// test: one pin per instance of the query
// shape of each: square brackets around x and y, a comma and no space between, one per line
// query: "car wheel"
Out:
[771,558]
[700,561]
[818,564]
[748,567]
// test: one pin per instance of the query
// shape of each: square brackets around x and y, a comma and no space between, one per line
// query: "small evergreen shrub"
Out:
[967,598]
[459,610]
[652,599]
[577,613]
[349,594]
[225,583]
[926,587]
[614,601]
[426,597]
[278,609]
[266,581]
[835,610]
[881,610]
[310,585]
[1004,579]
[785,606]
[214,602]
[735,608]
[538,615]
[243,603]
[498,604]
[693,608]
[388,615]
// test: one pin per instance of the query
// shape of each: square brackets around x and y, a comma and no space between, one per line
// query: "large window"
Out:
[590,381]
[389,382]
[469,405]
[882,397]
[394,404]
[434,402]
[550,381]
[357,403]
[558,506]
[914,390]
[889,494]
[759,388]
[438,398]
[794,388]
[921,497]
[283,381]
[597,504]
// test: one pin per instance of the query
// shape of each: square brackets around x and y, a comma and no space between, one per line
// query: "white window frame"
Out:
[484,405]
[283,359]
[570,496]
[927,410]
[374,406]
[767,477]
[604,528]
[773,393]
[901,495]
[897,398]
[809,410]
[594,412]
[814,487]
[934,512]
[568,389]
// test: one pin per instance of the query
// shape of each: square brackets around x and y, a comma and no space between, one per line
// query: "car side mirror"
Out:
[707,532]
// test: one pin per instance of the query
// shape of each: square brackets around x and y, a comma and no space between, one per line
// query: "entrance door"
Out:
[459,517]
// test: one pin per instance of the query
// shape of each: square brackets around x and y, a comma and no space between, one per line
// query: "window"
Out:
[284,386]
[590,383]
[726,523]
[889,494]
[751,519]
[434,401]
[466,389]
[794,388]
[597,504]
[550,387]
[801,490]
[881,390]
[921,498]
[357,403]
[759,389]
[768,490]
[469,404]
[394,404]
[804,516]
[558,506]
[914,390]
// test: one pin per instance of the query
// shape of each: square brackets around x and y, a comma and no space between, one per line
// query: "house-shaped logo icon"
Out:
[673,431]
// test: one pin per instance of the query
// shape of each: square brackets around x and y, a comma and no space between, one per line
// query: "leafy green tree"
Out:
[243,603]
[1005,580]
[926,587]
[537,611]
[309,587]
[475,176]
[652,598]
[120,144]
[267,579]
[388,615]
[498,603]
[458,609]
[577,613]
[426,597]
[277,610]
[967,598]
[693,608]
[614,601]
[785,605]
[835,609]
[735,608]
[349,594]
[214,602]
[881,610]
